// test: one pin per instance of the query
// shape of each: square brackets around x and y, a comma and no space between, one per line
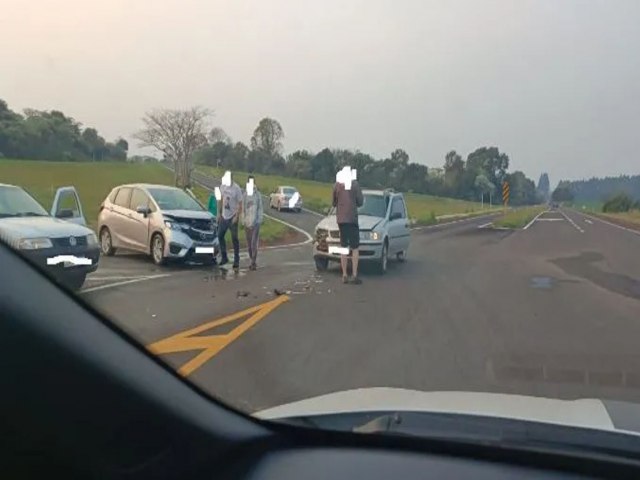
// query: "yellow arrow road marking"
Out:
[211,345]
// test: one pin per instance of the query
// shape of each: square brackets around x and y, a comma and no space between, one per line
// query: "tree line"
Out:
[602,189]
[51,135]
[479,177]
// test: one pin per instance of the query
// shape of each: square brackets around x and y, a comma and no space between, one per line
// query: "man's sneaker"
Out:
[345,279]
[252,266]
[356,280]
[236,266]
[224,261]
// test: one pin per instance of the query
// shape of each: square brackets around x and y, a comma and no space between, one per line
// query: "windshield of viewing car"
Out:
[171,199]
[500,136]
[374,205]
[15,202]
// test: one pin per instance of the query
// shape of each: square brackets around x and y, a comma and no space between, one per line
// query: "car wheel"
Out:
[106,242]
[157,249]
[384,259]
[298,210]
[321,263]
[401,257]
[74,281]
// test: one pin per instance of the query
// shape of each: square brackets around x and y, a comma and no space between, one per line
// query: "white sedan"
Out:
[285,197]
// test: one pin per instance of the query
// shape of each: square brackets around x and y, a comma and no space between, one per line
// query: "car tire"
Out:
[401,256]
[157,249]
[384,259]
[298,210]
[74,281]
[106,242]
[321,264]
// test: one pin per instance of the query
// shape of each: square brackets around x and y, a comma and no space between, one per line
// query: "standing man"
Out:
[253,217]
[228,216]
[347,203]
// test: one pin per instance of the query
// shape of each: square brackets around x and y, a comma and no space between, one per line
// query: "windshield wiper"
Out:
[30,214]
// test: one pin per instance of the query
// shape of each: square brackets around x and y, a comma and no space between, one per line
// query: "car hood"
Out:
[15,228]
[365,222]
[586,413]
[193,214]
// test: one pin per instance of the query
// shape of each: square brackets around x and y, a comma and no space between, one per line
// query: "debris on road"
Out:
[242,293]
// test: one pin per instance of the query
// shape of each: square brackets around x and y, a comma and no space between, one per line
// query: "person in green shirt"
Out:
[213,205]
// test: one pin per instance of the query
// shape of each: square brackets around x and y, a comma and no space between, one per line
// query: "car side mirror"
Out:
[64,213]
[143,210]
[395,216]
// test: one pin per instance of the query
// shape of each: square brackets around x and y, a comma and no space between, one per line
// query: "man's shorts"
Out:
[349,235]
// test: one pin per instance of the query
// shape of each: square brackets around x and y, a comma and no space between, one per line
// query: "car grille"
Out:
[66,241]
[198,229]
[321,239]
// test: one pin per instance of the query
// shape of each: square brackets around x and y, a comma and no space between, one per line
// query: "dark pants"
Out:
[222,231]
[252,234]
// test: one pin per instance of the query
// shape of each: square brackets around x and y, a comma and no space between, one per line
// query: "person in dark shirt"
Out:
[347,203]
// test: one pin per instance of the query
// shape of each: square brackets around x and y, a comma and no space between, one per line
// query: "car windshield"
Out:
[15,202]
[374,205]
[174,199]
[495,142]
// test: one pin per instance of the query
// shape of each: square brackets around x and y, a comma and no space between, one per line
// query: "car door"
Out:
[398,226]
[119,218]
[66,206]
[136,223]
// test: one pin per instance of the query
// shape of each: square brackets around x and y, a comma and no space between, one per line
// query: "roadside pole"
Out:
[505,195]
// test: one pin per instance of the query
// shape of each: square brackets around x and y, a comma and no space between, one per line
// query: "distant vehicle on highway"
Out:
[281,198]
[58,241]
[384,231]
[161,221]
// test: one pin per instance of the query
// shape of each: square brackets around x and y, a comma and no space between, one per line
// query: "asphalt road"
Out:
[551,310]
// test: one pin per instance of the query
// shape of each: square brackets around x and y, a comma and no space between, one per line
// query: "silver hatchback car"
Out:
[165,222]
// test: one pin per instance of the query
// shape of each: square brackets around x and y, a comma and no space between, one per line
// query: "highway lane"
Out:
[552,310]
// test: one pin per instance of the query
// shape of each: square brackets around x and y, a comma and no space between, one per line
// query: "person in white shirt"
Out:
[228,215]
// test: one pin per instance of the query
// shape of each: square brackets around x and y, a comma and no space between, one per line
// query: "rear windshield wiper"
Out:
[30,214]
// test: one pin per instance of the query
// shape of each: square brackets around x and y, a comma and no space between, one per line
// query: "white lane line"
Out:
[467,219]
[485,225]
[551,220]
[571,222]
[125,282]
[534,219]
[297,229]
[630,230]
[588,221]
[114,277]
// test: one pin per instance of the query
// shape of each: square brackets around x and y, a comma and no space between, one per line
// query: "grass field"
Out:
[632,216]
[425,209]
[94,181]
[518,218]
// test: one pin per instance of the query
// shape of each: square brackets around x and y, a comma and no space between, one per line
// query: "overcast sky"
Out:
[553,83]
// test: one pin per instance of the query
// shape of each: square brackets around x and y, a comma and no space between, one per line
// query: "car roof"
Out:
[380,192]
[287,186]
[8,185]
[146,186]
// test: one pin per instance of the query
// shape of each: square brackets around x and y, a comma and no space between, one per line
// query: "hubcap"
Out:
[106,241]
[157,249]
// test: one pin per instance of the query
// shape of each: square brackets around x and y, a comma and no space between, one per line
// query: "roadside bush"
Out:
[620,202]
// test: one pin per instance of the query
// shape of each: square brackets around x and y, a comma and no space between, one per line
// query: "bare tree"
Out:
[177,134]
